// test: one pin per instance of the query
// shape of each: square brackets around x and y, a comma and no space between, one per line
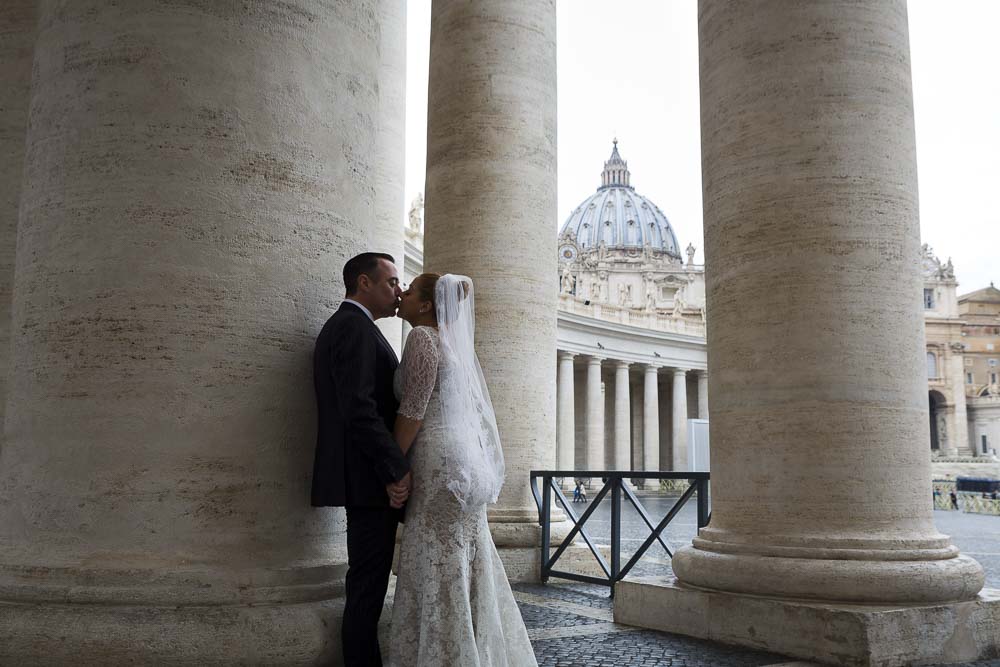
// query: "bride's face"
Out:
[411,308]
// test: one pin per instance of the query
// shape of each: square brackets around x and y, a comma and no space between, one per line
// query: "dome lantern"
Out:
[616,171]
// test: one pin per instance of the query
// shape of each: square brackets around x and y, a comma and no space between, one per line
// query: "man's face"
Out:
[384,290]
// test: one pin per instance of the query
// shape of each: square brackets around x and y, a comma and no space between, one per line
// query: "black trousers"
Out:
[371,537]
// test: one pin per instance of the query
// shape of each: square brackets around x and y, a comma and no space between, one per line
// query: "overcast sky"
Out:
[630,69]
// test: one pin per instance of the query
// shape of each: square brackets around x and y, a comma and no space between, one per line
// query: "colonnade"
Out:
[612,448]
[194,178]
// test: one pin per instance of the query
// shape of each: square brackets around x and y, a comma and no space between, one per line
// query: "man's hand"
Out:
[399,491]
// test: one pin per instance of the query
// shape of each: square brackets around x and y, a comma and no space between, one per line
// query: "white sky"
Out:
[630,69]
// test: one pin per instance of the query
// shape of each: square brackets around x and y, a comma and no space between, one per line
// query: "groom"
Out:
[358,464]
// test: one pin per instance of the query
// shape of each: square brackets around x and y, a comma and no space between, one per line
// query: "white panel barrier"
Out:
[698,451]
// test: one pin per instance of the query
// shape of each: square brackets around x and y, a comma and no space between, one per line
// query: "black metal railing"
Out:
[615,484]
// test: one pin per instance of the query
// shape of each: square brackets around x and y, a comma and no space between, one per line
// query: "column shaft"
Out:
[651,420]
[196,176]
[955,366]
[820,461]
[17,41]
[702,394]
[678,420]
[623,414]
[491,194]
[389,162]
[595,416]
[566,436]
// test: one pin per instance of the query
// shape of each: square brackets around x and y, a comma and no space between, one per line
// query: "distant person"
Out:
[954,500]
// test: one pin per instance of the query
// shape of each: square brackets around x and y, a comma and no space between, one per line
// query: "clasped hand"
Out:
[399,491]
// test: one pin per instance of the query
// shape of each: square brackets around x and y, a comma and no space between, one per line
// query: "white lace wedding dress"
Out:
[453,604]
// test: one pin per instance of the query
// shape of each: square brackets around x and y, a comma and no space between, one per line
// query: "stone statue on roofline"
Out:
[416,214]
[690,253]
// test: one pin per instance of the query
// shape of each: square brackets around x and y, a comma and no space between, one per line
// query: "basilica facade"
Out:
[632,380]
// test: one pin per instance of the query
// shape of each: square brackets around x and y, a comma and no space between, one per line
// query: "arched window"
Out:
[931,365]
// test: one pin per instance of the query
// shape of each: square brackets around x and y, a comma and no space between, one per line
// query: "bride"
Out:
[453,604]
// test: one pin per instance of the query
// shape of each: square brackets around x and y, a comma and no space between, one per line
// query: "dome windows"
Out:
[618,216]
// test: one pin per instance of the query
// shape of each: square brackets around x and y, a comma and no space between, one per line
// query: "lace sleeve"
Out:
[420,363]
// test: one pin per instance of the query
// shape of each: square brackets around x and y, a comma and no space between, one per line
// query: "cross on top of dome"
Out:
[616,173]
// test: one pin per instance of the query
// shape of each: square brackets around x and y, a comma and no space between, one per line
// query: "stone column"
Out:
[623,413]
[595,416]
[389,160]
[702,394]
[17,41]
[821,386]
[651,420]
[490,200]
[566,436]
[955,366]
[678,420]
[196,175]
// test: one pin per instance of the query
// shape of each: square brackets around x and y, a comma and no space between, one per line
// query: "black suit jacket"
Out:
[356,455]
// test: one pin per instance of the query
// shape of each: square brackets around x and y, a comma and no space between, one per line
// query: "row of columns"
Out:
[594,430]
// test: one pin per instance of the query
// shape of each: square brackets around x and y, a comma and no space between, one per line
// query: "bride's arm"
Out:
[420,361]
[405,431]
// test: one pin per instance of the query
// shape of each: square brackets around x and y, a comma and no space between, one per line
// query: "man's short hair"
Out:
[366,263]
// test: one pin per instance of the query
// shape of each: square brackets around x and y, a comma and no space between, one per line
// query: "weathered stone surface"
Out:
[390,148]
[196,175]
[491,199]
[851,635]
[17,40]
[809,172]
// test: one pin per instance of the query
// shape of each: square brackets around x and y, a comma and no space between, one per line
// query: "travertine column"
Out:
[196,174]
[17,40]
[651,420]
[566,435]
[595,416]
[955,367]
[820,462]
[389,160]
[491,197]
[623,413]
[678,419]
[702,394]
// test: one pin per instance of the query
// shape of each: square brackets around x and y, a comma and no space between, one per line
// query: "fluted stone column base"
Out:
[837,634]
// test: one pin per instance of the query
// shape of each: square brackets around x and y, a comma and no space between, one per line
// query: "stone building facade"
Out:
[948,429]
[963,352]
[980,314]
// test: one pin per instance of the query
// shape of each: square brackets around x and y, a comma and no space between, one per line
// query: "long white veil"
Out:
[475,467]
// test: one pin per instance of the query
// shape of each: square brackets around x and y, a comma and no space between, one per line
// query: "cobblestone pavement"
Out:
[571,624]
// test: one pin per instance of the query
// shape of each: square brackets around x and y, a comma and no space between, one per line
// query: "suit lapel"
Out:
[385,343]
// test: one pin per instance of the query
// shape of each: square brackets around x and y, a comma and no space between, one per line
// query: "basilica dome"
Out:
[619,216]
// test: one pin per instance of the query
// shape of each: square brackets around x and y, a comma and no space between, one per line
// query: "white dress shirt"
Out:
[365,310]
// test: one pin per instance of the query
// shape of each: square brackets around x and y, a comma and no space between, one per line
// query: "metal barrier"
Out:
[614,483]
